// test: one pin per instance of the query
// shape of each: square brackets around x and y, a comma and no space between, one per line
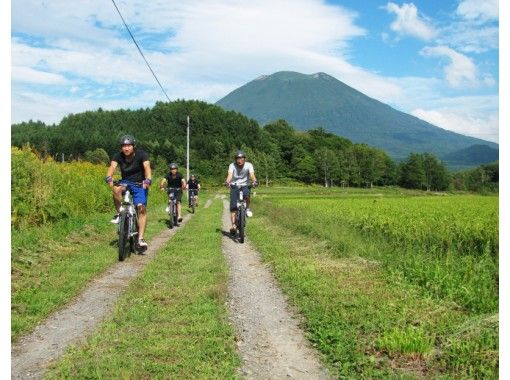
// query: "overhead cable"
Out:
[140,50]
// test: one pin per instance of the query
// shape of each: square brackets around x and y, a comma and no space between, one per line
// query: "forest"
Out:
[279,152]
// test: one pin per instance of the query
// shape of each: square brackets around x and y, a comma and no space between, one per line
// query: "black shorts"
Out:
[177,193]
[234,196]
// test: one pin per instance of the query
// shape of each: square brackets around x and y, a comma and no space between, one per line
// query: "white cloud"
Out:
[408,22]
[475,29]
[94,63]
[211,47]
[488,80]
[473,115]
[460,71]
[28,105]
[479,10]
[470,38]
[485,128]
[27,74]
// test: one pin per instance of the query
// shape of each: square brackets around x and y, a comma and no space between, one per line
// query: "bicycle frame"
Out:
[241,202]
[193,194]
[192,198]
[127,204]
[241,211]
[127,228]
[172,203]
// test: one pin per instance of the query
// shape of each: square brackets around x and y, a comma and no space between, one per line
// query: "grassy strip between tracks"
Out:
[51,264]
[364,322]
[172,320]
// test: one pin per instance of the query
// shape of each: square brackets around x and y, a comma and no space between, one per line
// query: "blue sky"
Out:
[437,60]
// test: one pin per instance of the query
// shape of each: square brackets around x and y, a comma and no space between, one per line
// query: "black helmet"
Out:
[127,140]
[173,165]
[239,154]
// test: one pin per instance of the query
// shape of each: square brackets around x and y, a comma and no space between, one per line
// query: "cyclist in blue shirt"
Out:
[135,169]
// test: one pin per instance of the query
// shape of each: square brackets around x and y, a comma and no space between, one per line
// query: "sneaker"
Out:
[142,243]
[179,219]
[115,219]
[233,230]
[249,214]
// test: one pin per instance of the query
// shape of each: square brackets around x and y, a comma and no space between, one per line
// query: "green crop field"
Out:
[464,224]
[391,283]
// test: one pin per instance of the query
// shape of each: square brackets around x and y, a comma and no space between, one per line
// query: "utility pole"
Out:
[187,153]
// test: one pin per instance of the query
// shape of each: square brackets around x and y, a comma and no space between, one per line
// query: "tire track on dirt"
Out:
[34,352]
[270,341]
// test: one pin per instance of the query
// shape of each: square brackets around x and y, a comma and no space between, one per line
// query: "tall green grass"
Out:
[47,191]
[448,246]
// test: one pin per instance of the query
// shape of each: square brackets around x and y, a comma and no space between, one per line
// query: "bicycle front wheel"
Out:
[133,240]
[171,215]
[174,215]
[124,245]
[241,224]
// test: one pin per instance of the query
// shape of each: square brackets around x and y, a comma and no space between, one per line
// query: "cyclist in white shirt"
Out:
[240,172]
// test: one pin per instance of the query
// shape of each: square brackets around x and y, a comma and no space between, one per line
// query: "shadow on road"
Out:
[166,221]
[228,234]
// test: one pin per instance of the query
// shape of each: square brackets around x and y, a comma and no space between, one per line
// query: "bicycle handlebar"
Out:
[234,185]
[118,183]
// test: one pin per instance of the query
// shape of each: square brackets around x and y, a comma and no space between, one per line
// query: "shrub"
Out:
[46,191]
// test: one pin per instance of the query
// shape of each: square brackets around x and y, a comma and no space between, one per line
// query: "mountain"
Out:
[473,155]
[319,100]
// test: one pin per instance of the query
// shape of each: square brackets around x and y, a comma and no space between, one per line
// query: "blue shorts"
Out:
[234,196]
[140,194]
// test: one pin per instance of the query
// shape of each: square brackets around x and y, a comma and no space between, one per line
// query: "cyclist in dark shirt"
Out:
[174,180]
[193,188]
[135,169]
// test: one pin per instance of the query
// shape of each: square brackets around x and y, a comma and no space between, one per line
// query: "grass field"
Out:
[390,283]
[377,305]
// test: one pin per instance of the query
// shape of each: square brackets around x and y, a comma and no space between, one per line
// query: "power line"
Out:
[140,50]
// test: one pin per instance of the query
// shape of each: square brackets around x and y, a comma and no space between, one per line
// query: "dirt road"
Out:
[270,341]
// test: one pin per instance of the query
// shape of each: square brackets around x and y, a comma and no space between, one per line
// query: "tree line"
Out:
[278,151]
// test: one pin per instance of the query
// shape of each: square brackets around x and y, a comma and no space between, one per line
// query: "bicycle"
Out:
[172,206]
[240,218]
[127,228]
[192,195]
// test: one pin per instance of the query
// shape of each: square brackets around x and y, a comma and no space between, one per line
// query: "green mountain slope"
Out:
[319,100]
[473,154]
